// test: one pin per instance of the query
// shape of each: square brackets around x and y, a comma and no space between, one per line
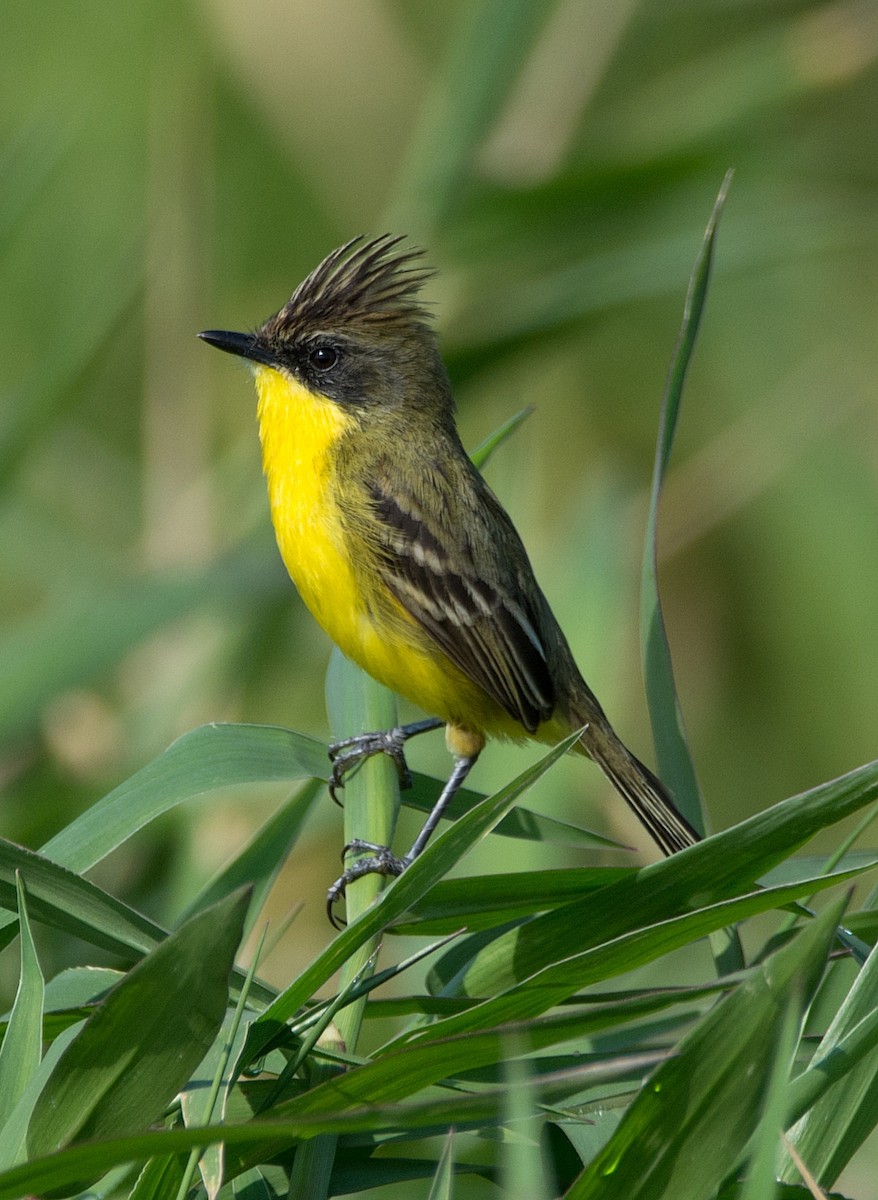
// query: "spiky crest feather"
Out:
[359,285]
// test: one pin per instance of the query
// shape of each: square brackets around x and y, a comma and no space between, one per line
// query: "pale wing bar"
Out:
[486,635]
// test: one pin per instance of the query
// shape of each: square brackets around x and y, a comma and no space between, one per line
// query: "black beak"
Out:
[245,345]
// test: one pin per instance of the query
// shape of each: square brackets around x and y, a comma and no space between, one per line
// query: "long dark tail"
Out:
[645,795]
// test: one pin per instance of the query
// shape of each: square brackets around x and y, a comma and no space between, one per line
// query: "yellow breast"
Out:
[299,430]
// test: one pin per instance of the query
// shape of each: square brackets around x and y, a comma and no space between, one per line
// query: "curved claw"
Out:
[381,861]
[348,753]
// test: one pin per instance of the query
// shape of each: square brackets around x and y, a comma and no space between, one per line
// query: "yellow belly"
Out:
[299,430]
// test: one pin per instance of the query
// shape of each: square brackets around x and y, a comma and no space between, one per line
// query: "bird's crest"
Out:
[361,284]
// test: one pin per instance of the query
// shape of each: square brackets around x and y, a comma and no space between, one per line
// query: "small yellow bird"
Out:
[398,546]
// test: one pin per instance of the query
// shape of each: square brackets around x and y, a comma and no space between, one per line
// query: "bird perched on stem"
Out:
[398,546]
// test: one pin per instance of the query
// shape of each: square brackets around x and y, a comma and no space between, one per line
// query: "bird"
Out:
[401,550]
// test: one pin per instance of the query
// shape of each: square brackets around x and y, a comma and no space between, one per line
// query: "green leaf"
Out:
[255,1184]
[442,1185]
[763,1152]
[13,1147]
[484,901]
[400,1073]
[160,1179]
[72,993]
[209,758]
[672,752]
[22,1041]
[139,1048]
[257,1140]
[68,902]
[561,977]
[205,1100]
[80,908]
[826,1070]
[844,1116]
[198,1098]
[482,453]
[690,1121]
[724,864]
[78,986]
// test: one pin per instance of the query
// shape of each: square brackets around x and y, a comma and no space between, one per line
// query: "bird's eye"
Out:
[323,358]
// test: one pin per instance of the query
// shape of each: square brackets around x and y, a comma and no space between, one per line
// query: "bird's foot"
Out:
[381,861]
[347,754]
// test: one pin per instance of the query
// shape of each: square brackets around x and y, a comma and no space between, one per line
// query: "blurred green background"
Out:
[169,167]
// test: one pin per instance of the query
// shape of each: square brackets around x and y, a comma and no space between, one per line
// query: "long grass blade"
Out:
[672,752]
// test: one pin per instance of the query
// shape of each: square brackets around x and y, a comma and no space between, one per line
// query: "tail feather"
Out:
[645,795]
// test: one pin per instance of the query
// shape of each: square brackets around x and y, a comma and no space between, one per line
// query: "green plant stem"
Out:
[357,704]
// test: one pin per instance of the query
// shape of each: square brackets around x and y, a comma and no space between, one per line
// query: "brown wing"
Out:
[477,612]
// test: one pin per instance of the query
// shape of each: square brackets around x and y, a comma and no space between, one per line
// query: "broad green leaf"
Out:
[484,901]
[78,986]
[694,1115]
[800,866]
[73,904]
[257,1140]
[353,1172]
[827,1069]
[206,1103]
[400,1073]
[255,1184]
[60,898]
[148,1035]
[722,865]
[72,993]
[782,1191]
[197,1098]
[208,758]
[563,976]
[764,1149]
[21,1049]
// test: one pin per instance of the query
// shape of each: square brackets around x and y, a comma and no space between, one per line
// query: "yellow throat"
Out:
[298,429]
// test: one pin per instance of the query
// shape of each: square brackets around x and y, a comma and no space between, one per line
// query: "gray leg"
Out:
[381,861]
